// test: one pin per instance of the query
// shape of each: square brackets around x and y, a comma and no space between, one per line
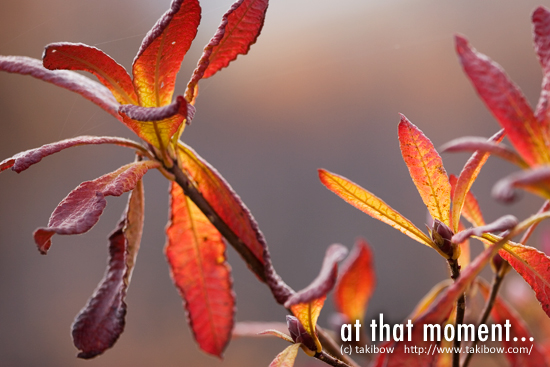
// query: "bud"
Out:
[299,334]
[441,235]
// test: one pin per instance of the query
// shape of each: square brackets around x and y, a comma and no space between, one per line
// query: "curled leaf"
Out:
[541,32]
[196,253]
[22,161]
[162,51]
[356,282]
[101,321]
[426,169]
[535,180]
[503,223]
[70,80]
[80,210]
[178,107]
[372,205]
[505,100]
[78,56]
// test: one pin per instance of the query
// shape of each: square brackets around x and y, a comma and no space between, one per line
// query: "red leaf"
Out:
[70,80]
[506,102]
[481,145]
[533,266]
[356,282]
[426,169]
[77,56]
[519,334]
[196,254]
[178,107]
[22,161]
[325,280]
[467,177]
[101,321]
[437,313]
[223,200]
[541,22]
[162,51]
[535,180]
[80,210]
[240,27]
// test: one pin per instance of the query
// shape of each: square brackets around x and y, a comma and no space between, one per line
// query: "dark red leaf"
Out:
[70,80]
[536,180]
[77,56]
[356,282]
[81,209]
[196,254]
[541,22]
[519,334]
[240,27]
[501,224]
[473,143]
[178,107]
[162,51]
[325,280]
[101,321]
[505,100]
[22,161]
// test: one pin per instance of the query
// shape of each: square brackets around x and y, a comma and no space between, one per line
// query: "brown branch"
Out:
[330,360]
[330,345]
[460,310]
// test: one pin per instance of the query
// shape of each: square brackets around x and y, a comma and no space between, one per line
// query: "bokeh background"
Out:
[322,88]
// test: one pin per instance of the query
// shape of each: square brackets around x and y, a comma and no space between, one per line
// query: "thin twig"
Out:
[330,360]
[460,310]
[495,286]
[330,345]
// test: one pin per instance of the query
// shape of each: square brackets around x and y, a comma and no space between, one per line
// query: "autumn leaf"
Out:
[78,56]
[162,51]
[426,169]
[519,336]
[356,282]
[80,210]
[541,32]
[287,357]
[240,27]
[102,320]
[23,160]
[196,253]
[505,100]
[372,205]
[535,180]
[503,223]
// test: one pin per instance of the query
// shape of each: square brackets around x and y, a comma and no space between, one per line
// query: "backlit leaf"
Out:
[470,208]
[372,205]
[325,280]
[22,161]
[240,27]
[534,266]
[307,314]
[426,169]
[223,200]
[437,313]
[535,180]
[80,210]
[77,56]
[101,321]
[287,357]
[70,80]
[541,31]
[519,336]
[505,100]
[196,254]
[356,282]
[162,51]
[481,145]
[467,177]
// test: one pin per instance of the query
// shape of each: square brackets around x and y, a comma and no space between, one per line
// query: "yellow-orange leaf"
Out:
[308,313]
[426,169]
[372,205]
[287,357]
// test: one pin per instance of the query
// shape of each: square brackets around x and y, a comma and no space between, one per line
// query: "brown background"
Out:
[322,88]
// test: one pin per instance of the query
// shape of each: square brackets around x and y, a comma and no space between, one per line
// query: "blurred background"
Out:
[322,88]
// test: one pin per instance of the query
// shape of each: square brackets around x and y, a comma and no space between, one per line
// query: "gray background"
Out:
[322,88]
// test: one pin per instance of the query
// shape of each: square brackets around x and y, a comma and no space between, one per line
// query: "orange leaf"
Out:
[505,100]
[467,177]
[240,27]
[426,169]
[356,282]
[101,321]
[77,56]
[196,254]
[162,51]
[372,205]
[519,334]
[287,357]
[80,210]
[223,199]
[307,314]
